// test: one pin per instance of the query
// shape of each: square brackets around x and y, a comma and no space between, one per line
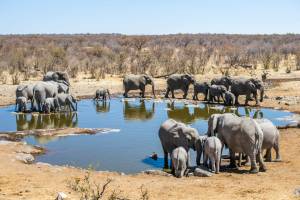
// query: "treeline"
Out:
[117,54]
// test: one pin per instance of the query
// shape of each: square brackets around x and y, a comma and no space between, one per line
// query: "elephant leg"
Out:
[237,100]
[173,96]
[268,155]
[247,99]
[194,97]
[253,169]
[232,160]
[278,157]
[256,100]
[143,92]
[205,158]
[262,167]
[217,159]
[213,163]
[166,166]
[240,160]
[126,93]
[218,98]
[185,93]
[167,93]
[188,160]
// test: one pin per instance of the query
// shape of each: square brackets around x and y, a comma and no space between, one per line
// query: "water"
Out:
[127,150]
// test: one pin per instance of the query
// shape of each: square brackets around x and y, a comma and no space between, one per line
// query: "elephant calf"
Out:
[51,104]
[213,152]
[216,91]
[179,159]
[102,94]
[21,104]
[201,88]
[229,98]
[67,100]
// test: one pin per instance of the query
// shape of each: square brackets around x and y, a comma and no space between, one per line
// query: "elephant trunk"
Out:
[262,92]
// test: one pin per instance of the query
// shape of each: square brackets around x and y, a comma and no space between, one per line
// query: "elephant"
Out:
[21,104]
[102,94]
[240,135]
[43,90]
[179,158]
[137,82]
[224,80]
[173,134]
[201,88]
[229,98]
[216,91]
[138,112]
[243,86]
[57,76]
[51,104]
[25,91]
[67,100]
[271,138]
[179,82]
[212,150]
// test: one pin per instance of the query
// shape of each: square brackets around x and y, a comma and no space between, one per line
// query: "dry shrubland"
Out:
[27,55]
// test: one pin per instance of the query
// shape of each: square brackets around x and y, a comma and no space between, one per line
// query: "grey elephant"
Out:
[67,100]
[240,135]
[224,80]
[229,98]
[270,139]
[203,88]
[216,91]
[51,105]
[173,134]
[25,91]
[248,87]
[179,82]
[21,104]
[57,76]
[43,90]
[102,94]
[212,150]
[179,158]
[137,82]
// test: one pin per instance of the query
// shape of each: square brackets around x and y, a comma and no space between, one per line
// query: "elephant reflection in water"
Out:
[138,112]
[41,121]
[189,115]
[102,106]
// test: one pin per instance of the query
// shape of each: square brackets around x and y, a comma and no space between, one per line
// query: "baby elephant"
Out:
[216,91]
[213,152]
[201,88]
[67,100]
[229,98]
[102,94]
[179,159]
[50,104]
[21,104]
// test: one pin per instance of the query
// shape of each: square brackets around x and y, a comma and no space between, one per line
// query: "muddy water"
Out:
[127,150]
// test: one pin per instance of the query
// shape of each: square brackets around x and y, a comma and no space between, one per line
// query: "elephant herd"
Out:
[241,135]
[226,88]
[49,95]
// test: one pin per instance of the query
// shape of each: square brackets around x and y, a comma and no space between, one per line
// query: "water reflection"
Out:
[102,106]
[43,121]
[188,114]
[138,111]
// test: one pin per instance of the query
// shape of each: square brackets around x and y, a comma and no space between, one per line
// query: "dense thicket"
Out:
[118,54]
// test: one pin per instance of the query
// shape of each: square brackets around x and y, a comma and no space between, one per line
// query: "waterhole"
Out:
[138,121]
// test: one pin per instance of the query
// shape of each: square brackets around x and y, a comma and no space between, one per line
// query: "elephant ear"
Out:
[252,86]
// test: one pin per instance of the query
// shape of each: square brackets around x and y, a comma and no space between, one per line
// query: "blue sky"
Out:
[149,16]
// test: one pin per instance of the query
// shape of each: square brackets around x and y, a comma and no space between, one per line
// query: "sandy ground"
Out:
[42,181]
